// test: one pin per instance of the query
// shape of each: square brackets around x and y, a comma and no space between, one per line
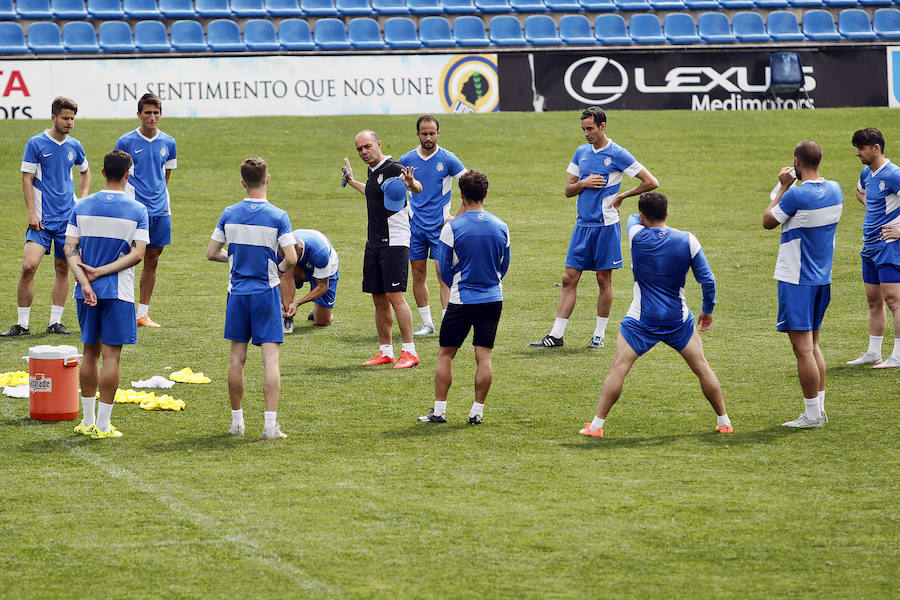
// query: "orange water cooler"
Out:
[53,382]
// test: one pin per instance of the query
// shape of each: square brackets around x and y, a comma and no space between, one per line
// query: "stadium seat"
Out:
[330,34]
[140,9]
[12,38]
[318,8]
[353,8]
[390,7]
[645,29]
[701,4]
[211,9]
[44,38]
[434,32]
[853,24]
[732,4]
[493,6]
[679,28]
[540,30]
[528,6]
[283,8]
[294,34]
[260,35]
[600,5]
[400,32]
[805,3]
[150,36]
[818,25]
[749,27]
[469,32]
[782,26]
[424,7]
[771,4]
[611,30]
[459,7]
[80,37]
[633,5]
[667,5]
[505,30]
[8,11]
[562,5]
[177,9]
[187,36]
[886,23]
[839,3]
[34,9]
[714,28]
[115,36]
[575,30]
[364,33]
[105,9]
[875,3]
[248,9]
[224,35]
[69,10]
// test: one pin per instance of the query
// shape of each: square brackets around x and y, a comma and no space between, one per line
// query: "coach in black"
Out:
[386,261]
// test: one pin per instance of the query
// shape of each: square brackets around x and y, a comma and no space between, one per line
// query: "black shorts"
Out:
[461,317]
[385,269]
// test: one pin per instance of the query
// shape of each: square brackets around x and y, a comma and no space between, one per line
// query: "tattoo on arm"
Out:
[70,250]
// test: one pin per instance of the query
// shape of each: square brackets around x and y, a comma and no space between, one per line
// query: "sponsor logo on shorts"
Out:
[617,262]
[395,284]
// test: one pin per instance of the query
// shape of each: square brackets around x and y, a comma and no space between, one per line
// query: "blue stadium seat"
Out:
[364,33]
[853,24]
[679,28]
[7,11]
[44,38]
[610,30]
[105,9]
[782,26]
[177,9]
[493,6]
[540,30]
[714,28]
[210,9]
[771,4]
[12,38]
[732,4]
[352,8]
[400,32]
[818,25]
[248,9]
[562,5]
[318,8]
[633,5]
[294,34]
[528,6]
[434,32]
[749,27]
[224,35]
[701,4]
[505,30]
[646,29]
[840,3]
[425,7]
[140,9]
[80,37]
[886,23]
[283,8]
[459,7]
[260,35]
[330,34]
[187,36]
[390,7]
[34,9]
[806,3]
[599,5]
[469,31]
[575,30]
[667,4]
[115,36]
[150,36]
[69,10]
[875,3]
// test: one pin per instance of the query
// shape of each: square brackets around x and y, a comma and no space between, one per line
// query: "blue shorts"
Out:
[111,322]
[160,231]
[595,248]
[641,336]
[326,299]
[802,307]
[423,242]
[878,274]
[255,317]
[54,231]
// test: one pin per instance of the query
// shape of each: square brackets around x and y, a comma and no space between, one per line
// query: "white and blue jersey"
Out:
[51,162]
[661,258]
[253,230]
[809,214]
[882,190]
[431,207]
[474,257]
[319,259]
[106,223]
[152,158]
[594,206]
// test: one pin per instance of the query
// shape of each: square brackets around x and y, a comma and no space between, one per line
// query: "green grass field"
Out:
[361,501]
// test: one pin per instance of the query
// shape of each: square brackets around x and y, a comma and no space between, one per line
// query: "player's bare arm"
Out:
[408,177]
[134,256]
[289,253]
[34,222]
[890,232]
[168,174]
[216,252]
[84,183]
[648,184]
[72,253]
[575,185]
[787,178]
[347,171]
[861,196]
[316,292]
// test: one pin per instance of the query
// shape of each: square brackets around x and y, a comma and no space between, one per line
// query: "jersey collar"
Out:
[51,138]
[598,150]
[430,156]
[255,200]
[138,131]
[384,160]
[886,163]
[819,180]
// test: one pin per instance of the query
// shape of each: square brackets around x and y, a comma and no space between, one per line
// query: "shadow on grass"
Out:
[543,353]
[213,442]
[761,436]
[425,430]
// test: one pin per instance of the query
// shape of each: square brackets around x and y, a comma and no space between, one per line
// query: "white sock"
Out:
[409,347]
[443,313]
[822,401]
[56,314]
[477,409]
[875,344]
[143,310]
[812,408]
[722,420]
[24,313]
[559,327]
[440,408]
[895,353]
[269,416]
[601,326]
[425,313]
[387,350]
[237,417]
[87,408]
[597,423]
[103,412]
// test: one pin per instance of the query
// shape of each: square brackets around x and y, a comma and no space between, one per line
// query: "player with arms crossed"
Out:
[595,175]
[49,192]
[255,232]
[661,257]
[435,168]
[154,154]
[317,263]
[808,214]
[106,236]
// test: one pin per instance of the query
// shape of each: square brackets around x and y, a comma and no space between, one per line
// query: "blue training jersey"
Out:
[474,257]
[431,207]
[809,214]
[594,206]
[319,258]
[107,223]
[253,230]
[53,185]
[152,158]
[882,190]
[661,258]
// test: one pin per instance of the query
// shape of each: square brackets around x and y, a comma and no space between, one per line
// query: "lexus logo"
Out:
[585,88]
